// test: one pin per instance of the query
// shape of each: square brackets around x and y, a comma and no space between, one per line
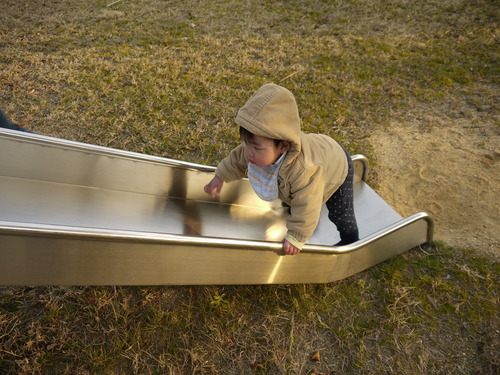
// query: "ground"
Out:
[447,166]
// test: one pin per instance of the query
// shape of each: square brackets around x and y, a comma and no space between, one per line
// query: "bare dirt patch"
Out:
[449,168]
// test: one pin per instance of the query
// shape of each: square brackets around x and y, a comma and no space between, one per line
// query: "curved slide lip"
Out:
[68,232]
[85,147]
[59,142]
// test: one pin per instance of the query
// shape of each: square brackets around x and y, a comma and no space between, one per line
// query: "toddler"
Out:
[303,170]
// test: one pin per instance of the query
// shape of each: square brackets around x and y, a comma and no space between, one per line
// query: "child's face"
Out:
[262,151]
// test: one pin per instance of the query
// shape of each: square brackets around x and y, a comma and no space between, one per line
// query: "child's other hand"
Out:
[214,187]
[289,249]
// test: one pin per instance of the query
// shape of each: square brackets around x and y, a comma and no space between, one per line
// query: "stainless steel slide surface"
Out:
[79,214]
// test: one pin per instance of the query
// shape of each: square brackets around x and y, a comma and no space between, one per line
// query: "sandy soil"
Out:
[448,168]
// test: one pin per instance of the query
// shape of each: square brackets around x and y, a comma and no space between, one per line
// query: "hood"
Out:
[272,112]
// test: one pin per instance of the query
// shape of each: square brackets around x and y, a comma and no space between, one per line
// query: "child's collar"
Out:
[280,159]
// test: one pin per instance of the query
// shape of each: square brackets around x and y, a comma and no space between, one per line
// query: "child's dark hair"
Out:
[247,136]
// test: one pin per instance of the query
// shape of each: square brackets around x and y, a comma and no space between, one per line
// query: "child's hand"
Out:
[289,249]
[214,186]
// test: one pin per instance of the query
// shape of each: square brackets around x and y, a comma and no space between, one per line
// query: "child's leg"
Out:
[341,208]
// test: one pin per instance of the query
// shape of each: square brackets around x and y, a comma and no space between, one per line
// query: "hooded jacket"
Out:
[314,167]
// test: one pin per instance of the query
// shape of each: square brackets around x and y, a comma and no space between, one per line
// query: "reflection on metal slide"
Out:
[79,214]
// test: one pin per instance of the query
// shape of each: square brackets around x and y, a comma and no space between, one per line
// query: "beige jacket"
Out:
[314,167]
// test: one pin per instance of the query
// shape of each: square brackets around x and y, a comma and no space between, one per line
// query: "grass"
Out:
[166,78]
[430,311]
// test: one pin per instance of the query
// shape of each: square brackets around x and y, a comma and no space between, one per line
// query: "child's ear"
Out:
[285,146]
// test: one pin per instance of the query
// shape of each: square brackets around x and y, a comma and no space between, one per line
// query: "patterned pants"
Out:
[341,208]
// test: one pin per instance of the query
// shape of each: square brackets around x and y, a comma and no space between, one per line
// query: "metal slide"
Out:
[78,214]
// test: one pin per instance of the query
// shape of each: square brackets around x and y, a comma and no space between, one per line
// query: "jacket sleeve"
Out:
[306,203]
[234,166]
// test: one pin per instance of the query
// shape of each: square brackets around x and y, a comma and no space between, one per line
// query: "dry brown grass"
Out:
[166,78]
[426,312]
